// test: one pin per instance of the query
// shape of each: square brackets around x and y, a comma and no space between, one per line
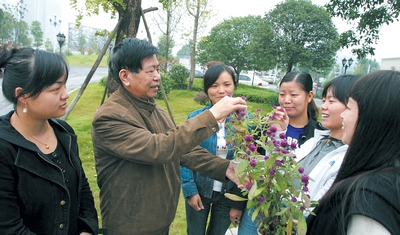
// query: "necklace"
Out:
[220,122]
[45,145]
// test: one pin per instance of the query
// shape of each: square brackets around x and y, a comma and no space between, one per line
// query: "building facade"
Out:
[390,63]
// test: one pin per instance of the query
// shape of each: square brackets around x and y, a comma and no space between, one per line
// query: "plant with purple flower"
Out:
[272,192]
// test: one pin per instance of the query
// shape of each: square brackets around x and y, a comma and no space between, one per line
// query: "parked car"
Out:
[270,78]
[198,74]
[247,78]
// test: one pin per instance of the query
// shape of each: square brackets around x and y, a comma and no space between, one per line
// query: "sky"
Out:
[224,9]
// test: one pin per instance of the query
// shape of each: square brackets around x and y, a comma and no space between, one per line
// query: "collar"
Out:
[148,105]
[9,134]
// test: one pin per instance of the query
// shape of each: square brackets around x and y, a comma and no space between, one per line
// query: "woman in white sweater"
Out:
[322,155]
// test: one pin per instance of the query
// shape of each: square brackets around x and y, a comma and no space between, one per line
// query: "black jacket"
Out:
[33,196]
[309,130]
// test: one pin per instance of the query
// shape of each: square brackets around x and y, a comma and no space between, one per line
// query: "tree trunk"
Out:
[168,36]
[194,42]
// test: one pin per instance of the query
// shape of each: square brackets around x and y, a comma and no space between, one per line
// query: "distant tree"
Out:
[365,66]
[37,34]
[368,17]
[199,11]
[262,48]
[22,32]
[93,45]
[165,49]
[48,44]
[235,42]
[82,44]
[20,29]
[13,28]
[7,26]
[184,51]
[304,35]
[165,45]
[167,22]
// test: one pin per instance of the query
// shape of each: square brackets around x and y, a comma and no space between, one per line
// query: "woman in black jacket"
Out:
[365,196]
[43,188]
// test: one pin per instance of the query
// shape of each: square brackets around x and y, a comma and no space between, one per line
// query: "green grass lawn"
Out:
[85,60]
[181,103]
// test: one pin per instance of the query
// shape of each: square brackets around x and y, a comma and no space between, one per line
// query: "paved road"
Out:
[77,75]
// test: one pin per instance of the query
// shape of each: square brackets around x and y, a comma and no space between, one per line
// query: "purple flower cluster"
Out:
[246,134]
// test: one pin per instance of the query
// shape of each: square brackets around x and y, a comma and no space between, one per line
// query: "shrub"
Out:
[103,81]
[167,83]
[258,95]
[179,75]
[67,53]
[201,98]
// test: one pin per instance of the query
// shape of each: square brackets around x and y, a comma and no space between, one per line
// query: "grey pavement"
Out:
[318,102]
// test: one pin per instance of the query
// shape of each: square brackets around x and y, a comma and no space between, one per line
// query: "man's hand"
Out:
[195,202]
[226,106]
[235,216]
[230,173]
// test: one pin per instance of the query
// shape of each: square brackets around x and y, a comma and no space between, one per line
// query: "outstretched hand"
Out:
[226,106]
[230,173]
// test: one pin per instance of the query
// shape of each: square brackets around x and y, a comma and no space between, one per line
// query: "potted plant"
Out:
[271,193]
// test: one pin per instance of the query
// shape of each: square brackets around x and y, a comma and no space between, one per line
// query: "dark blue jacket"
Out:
[33,196]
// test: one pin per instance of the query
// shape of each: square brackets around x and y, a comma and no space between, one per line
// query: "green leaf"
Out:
[283,211]
[243,165]
[234,197]
[301,226]
[281,181]
[255,213]
[307,201]
[289,226]
[240,128]
[258,192]
[265,208]
[252,190]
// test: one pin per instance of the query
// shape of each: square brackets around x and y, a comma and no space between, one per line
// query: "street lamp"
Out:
[346,64]
[55,23]
[61,40]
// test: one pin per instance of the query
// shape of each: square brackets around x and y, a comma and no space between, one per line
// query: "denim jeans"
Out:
[218,207]
[247,226]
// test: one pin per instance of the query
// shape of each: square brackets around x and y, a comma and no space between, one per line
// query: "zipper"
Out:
[52,163]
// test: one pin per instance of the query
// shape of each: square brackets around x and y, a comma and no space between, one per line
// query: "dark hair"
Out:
[129,54]
[378,124]
[212,74]
[340,87]
[32,70]
[374,145]
[306,83]
[211,63]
